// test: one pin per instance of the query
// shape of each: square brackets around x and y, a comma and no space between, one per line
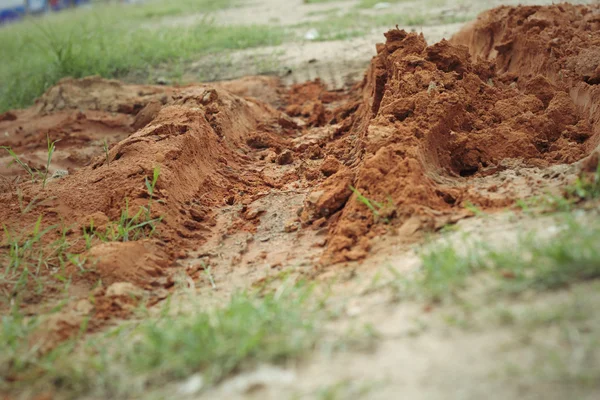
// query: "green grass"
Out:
[131,41]
[356,24]
[347,389]
[14,354]
[380,211]
[564,333]
[586,187]
[279,327]
[25,255]
[34,174]
[28,253]
[371,3]
[323,13]
[129,227]
[160,9]
[318,1]
[534,263]
[16,159]
[109,41]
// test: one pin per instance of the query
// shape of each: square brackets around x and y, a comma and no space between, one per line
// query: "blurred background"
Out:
[12,10]
[176,42]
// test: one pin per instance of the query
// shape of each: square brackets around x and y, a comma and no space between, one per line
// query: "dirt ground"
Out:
[264,174]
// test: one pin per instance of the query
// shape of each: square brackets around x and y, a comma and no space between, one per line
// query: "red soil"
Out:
[518,84]
[430,117]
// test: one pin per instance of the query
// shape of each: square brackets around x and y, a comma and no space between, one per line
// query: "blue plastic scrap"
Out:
[14,10]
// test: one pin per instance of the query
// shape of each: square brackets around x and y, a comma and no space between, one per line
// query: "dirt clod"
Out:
[286,157]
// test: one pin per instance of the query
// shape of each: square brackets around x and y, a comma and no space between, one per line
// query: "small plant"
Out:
[23,249]
[548,202]
[248,330]
[51,148]
[88,235]
[585,187]
[130,227]
[105,148]
[538,263]
[27,255]
[151,185]
[15,329]
[474,209]
[78,260]
[207,271]
[32,174]
[36,201]
[380,211]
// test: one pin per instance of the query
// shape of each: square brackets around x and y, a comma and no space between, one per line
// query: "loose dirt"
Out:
[253,173]
[430,117]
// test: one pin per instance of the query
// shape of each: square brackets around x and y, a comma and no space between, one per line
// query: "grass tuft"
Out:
[535,263]
[34,174]
[110,41]
[279,327]
[586,187]
[380,211]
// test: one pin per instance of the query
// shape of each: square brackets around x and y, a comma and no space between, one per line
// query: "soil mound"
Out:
[196,143]
[433,117]
[98,94]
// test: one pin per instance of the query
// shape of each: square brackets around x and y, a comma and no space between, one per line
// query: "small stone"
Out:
[314,197]
[253,213]
[119,289]
[312,34]
[209,96]
[146,115]
[98,221]
[197,215]
[84,306]
[330,166]
[192,385]
[312,174]
[59,173]
[319,223]
[286,122]
[286,157]
[182,254]
[291,226]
